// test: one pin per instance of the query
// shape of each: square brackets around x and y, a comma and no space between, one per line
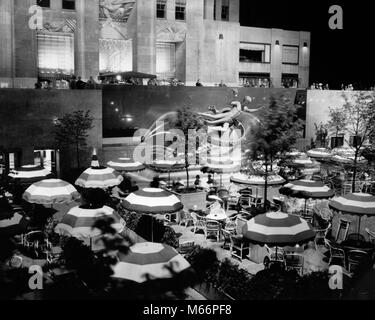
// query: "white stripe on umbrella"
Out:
[152,200]
[272,179]
[78,222]
[124,164]
[355,203]
[149,259]
[51,191]
[278,229]
[29,172]
[319,153]
[99,178]
[307,189]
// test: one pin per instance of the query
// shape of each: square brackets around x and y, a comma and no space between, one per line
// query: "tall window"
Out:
[43,3]
[165,60]
[255,52]
[69,4]
[161,8]
[115,55]
[290,54]
[225,10]
[56,53]
[180,9]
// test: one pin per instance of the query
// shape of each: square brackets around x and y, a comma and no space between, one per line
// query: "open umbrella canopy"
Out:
[125,164]
[167,166]
[148,260]
[278,229]
[152,201]
[307,189]
[30,173]
[15,225]
[79,222]
[257,180]
[51,191]
[99,177]
[354,203]
[319,153]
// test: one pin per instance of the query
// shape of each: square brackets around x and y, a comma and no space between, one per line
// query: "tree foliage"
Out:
[187,121]
[72,129]
[277,132]
[337,120]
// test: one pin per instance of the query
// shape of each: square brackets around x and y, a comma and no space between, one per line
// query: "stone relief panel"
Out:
[168,31]
[116,10]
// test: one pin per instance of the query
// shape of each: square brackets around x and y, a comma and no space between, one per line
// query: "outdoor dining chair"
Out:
[355,258]
[185,218]
[335,253]
[294,261]
[226,236]
[213,228]
[273,256]
[199,222]
[321,234]
[238,247]
[342,230]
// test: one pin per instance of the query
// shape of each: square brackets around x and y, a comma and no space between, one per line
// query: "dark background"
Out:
[337,56]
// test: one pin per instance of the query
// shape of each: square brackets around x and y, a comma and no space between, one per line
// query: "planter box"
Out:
[193,199]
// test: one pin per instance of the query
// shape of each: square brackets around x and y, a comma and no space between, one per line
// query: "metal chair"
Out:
[213,228]
[226,236]
[238,247]
[342,230]
[321,234]
[273,256]
[240,222]
[199,222]
[185,218]
[335,252]
[294,261]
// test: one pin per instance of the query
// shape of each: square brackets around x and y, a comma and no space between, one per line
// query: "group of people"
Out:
[74,83]
[319,86]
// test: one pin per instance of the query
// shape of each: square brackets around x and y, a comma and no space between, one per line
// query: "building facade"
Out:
[183,39]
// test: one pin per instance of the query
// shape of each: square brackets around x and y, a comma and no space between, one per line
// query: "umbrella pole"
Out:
[359,225]
[169,178]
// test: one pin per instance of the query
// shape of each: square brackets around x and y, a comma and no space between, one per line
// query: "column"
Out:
[6,48]
[87,39]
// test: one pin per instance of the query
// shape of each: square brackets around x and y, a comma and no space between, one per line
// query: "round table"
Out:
[217,216]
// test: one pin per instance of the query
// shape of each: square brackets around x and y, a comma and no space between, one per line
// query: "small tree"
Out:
[359,114]
[188,120]
[337,120]
[72,129]
[277,132]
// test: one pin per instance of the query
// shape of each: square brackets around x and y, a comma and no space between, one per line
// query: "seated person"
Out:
[117,193]
[210,181]
[197,182]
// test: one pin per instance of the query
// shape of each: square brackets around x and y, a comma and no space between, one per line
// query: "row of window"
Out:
[263,80]
[261,53]
[66,4]
[180,9]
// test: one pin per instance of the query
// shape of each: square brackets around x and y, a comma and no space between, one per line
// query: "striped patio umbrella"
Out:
[51,191]
[319,153]
[149,260]
[257,180]
[278,229]
[359,204]
[15,225]
[78,222]
[99,177]
[167,166]
[307,189]
[152,201]
[125,165]
[30,173]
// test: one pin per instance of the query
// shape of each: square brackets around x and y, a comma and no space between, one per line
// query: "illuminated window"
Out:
[161,9]
[165,60]
[115,55]
[290,54]
[180,9]
[69,4]
[43,3]
[255,52]
[56,53]
[225,10]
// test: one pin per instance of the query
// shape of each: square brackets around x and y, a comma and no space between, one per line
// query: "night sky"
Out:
[337,56]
